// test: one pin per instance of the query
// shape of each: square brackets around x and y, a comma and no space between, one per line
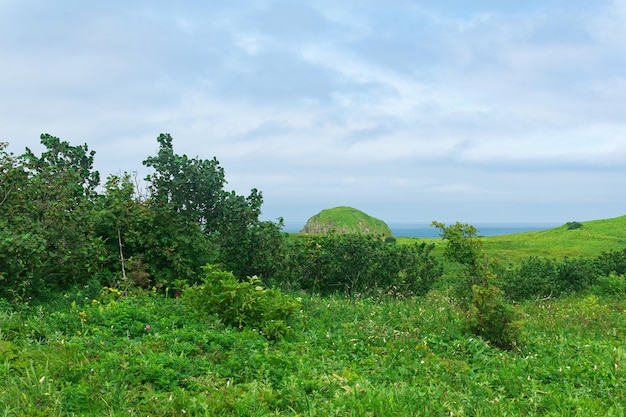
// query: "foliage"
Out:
[241,304]
[487,312]
[372,356]
[594,238]
[573,225]
[354,264]
[492,318]
[532,278]
[191,192]
[536,278]
[612,284]
[56,230]
[47,237]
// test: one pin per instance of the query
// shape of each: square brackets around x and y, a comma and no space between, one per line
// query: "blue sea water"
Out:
[484,229]
[408,229]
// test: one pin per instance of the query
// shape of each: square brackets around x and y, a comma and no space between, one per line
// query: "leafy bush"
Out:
[611,284]
[573,225]
[611,261]
[535,277]
[488,313]
[241,304]
[356,263]
[492,318]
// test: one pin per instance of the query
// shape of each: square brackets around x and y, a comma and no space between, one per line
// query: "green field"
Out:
[141,356]
[593,238]
[92,351]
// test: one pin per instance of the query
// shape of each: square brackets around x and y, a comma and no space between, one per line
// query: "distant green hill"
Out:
[345,220]
[588,239]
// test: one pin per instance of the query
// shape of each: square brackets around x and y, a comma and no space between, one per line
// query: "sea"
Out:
[410,229]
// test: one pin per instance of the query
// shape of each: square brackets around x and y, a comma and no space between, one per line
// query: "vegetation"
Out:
[240,304]
[57,231]
[358,264]
[180,301]
[487,313]
[593,238]
[379,356]
[346,220]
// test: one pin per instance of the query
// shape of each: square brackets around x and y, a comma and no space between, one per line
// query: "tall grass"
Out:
[349,357]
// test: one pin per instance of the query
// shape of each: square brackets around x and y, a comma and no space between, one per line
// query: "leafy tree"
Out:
[148,244]
[192,187]
[464,247]
[191,191]
[48,237]
[21,250]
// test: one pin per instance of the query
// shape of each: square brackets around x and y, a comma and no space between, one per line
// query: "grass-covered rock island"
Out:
[345,220]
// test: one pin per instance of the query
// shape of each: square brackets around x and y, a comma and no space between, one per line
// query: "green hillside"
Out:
[593,238]
[345,220]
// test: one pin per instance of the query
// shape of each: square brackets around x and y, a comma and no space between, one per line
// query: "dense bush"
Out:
[573,225]
[536,278]
[492,318]
[612,284]
[57,230]
[533,277]
[47,237]
[241,304]
[487,313]
[356,263]
[611,261]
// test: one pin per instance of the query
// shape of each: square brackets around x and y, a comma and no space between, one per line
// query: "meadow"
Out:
[100,351]
[593,238]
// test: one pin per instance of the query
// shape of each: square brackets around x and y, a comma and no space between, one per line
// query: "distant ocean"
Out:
[407,229]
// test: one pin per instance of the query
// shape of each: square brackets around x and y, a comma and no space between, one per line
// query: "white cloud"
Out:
[323,103]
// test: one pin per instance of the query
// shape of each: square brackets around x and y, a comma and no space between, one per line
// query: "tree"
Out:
[48,237]
[190,191]
[464,247]
[192,187]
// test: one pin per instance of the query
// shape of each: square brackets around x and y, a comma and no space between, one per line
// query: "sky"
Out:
[412,111]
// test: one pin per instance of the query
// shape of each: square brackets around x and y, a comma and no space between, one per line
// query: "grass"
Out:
[346,220]
[593,238]
[347,357]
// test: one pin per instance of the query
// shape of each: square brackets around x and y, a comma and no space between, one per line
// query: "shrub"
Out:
[354,264]
[611,261]
[537,277]
[492,318]
[533,277]
[241,304]
[611,284]
[573,225]
[487,312]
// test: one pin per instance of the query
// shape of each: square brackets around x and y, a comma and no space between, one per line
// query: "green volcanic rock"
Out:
[345,220]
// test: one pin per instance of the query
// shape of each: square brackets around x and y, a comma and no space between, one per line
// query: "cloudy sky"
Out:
[449,110]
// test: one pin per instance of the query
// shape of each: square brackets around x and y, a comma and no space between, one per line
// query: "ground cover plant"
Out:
[143,355]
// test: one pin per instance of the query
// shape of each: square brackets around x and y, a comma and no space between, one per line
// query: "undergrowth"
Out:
[113,355]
